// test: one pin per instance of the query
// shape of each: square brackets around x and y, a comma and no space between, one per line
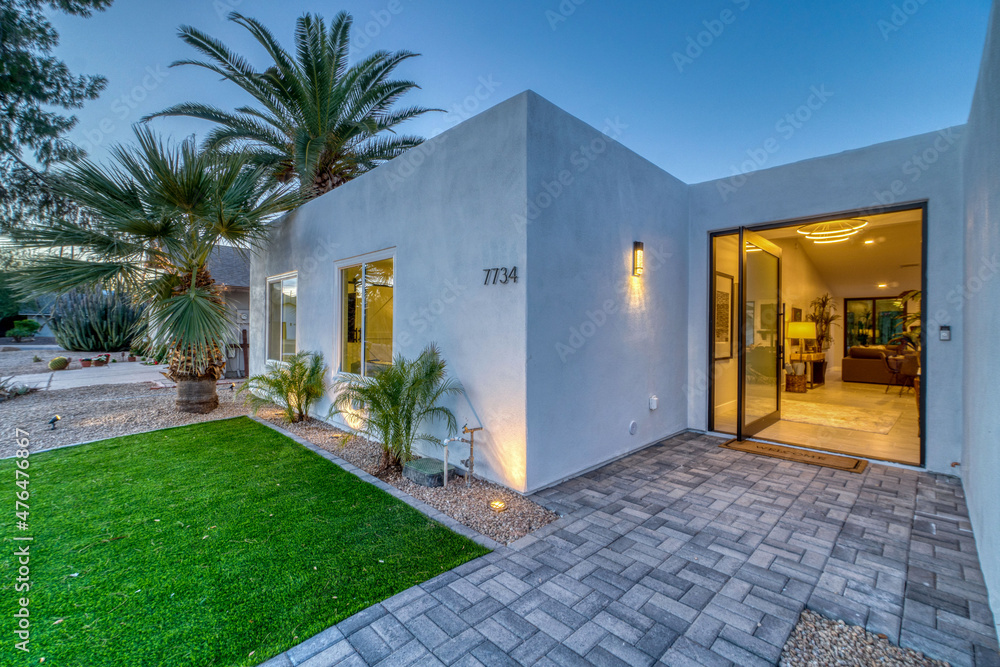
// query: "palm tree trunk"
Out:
[197,396]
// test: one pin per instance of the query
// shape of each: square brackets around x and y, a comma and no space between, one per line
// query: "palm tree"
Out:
[391,407]
[153,217]
[319,119]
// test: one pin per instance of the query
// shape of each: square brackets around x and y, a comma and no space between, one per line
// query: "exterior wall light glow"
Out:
[637,258]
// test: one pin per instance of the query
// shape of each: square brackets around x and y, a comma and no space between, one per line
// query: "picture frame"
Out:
[722,316]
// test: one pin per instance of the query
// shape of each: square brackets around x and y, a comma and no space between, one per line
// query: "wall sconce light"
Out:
[637,258]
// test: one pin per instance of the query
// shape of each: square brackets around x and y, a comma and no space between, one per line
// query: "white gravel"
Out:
[107,411]
[820,642]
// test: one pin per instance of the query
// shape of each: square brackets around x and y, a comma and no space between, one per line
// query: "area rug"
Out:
[839,416]
[809,456]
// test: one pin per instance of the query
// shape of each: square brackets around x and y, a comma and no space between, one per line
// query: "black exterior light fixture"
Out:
[637,258]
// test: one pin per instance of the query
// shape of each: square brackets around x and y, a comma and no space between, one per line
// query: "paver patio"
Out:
[688,554]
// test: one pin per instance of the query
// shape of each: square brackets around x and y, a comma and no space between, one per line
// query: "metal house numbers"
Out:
[500,275]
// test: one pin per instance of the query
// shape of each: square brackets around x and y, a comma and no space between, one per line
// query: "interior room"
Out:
[850,301]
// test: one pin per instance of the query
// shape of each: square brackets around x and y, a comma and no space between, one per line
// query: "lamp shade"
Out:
[801,330]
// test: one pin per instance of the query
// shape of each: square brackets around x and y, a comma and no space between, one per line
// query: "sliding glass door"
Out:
[746,345]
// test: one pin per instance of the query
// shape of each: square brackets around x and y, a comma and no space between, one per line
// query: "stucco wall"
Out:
[925,167]
[980,306]
[446,209]
[600,341]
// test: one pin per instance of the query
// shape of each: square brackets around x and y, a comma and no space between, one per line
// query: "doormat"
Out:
[846,463]
[839,416]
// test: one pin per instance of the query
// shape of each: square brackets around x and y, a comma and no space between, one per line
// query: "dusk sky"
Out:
[696,84]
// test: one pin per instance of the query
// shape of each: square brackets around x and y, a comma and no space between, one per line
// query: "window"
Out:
[281,298]
[366,322]
[872,321]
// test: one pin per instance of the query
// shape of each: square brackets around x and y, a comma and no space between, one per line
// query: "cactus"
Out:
[59,363]
[96,320]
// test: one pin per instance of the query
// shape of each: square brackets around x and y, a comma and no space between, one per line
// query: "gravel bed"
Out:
[19,362]
[107,411]
[820,642]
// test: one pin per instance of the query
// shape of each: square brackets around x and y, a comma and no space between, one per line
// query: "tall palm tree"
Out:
[153,217]
[319,119]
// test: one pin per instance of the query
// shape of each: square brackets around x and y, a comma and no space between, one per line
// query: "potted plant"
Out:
[102,359]
[86,362]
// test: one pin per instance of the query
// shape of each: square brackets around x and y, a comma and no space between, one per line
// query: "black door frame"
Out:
[919,204]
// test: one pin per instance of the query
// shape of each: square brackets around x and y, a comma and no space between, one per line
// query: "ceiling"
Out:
[891,258]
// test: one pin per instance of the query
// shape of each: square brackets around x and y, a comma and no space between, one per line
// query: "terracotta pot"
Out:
[131,358]
[100,363]
[86,363]
[197,396]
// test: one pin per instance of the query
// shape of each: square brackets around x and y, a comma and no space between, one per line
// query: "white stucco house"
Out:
[510,242]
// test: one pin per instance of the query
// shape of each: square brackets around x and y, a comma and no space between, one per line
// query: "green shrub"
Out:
[24,329]
[294,385]
[96,320]
[391,407]
[59,363]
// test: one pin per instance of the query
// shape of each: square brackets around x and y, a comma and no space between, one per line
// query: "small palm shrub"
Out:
[95,320]
[294,386]
[24,329]
[59,363]
[391,407]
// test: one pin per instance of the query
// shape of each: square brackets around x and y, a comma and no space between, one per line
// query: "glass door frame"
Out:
[743,430]
[742,235]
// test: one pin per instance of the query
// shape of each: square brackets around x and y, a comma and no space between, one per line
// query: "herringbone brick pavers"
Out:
[689,554]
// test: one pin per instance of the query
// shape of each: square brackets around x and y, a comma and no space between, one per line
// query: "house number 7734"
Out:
[500,275]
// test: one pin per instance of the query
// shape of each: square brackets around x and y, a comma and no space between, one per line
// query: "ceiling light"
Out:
[832,231]
[882,285]
[870,242]
[834,240]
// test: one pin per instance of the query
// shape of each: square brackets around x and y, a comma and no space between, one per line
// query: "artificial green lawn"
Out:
[201,544]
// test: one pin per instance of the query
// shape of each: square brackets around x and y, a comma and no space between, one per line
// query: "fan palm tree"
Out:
[153,217]
[319,119]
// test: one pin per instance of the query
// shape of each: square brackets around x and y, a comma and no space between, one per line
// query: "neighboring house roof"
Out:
[228,267]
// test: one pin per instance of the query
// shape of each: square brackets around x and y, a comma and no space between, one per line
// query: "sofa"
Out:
[867,364]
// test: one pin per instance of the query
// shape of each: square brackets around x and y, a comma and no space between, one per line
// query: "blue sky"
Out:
[698,84]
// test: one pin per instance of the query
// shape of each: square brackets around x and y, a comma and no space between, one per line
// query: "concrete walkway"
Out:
[125,372]
[688,554]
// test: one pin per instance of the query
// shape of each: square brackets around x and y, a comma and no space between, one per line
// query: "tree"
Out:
[319,120]
[32,82]
[156,214]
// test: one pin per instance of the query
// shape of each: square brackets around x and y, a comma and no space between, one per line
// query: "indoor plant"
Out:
[824,315]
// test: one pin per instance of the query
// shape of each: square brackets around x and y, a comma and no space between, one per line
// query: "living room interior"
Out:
[850,373]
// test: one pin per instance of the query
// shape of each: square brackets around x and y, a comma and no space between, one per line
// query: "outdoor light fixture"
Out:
[636,260]
[832,231]
[498,505]
[53,421]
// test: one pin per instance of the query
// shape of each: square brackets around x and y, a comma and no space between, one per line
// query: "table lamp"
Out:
[802,331]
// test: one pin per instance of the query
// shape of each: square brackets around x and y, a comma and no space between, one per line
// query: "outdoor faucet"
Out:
[470,462]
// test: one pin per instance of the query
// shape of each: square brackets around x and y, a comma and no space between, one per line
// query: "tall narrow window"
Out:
[366,324]
[282,294]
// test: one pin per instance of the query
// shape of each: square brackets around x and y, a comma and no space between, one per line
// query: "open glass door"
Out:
[761,337]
